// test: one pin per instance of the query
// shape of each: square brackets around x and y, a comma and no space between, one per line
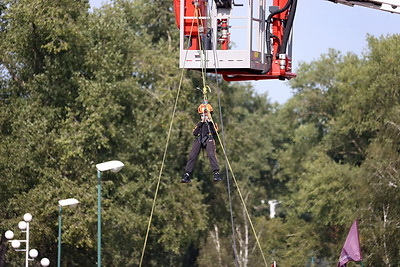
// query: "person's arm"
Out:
[197,129]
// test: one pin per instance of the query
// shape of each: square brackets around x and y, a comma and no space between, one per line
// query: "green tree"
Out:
[334,126]
[79,88]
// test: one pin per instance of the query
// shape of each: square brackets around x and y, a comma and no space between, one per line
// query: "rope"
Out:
[226,164]
[227,173]
[164,155]
[161,170]
[240,194]
[205,87]
[227,176]
[202,52]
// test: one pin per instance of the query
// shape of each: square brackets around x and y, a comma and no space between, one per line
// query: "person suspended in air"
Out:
[204,133]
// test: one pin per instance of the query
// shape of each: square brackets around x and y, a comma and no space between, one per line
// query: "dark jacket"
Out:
[204,128]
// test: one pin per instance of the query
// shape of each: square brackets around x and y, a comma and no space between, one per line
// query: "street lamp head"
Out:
[27,217]
[22,225]
[113,165]
[9,235]
[15,244]
[45,262]
[68,202]
[33,253]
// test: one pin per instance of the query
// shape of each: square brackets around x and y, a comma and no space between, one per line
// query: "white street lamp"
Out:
[27,217]
[45,262]
[9,235]
[33,253]
[68,202]
[24,227]
[15,243]
[64,202]
[114,166]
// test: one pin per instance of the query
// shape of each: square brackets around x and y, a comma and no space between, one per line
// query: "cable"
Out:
[164,156]
[226,164]
[201,51]
[241,197]
[161,170]
[288,27]
[227,177]
[205,87]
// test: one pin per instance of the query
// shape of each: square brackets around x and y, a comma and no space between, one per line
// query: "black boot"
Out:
[185,178]
[217,177]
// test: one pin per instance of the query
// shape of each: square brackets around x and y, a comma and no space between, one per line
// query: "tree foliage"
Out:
[78,88]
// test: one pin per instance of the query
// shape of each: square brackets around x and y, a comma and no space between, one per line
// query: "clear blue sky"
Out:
[320,25]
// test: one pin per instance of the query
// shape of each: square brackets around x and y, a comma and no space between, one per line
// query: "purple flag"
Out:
[351,250]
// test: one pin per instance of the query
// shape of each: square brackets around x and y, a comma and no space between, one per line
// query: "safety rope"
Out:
[202,52]
[240,194]
[227,175]
[205,87]
[227,171]
[224,145]
[164,155]
[161,170]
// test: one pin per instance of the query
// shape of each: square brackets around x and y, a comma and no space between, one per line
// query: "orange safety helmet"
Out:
[204,108]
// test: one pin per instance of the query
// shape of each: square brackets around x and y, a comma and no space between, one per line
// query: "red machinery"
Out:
[392,6]
[211,31]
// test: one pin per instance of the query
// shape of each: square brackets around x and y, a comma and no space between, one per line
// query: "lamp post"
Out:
[62,203]
[30,255]
[114,166]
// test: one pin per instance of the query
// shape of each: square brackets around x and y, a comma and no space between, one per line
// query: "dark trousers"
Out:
[194,154]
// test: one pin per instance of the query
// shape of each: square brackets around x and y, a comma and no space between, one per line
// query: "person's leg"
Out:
[212,155]
[193,155]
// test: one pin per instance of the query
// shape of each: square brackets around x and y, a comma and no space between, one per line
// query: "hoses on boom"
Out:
[288,27]
[268,34]
[277,40]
